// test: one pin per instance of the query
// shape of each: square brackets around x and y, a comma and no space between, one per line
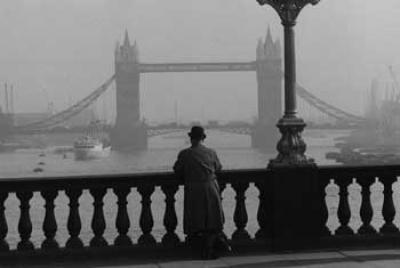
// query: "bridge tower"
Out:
[265,135]
[129,131]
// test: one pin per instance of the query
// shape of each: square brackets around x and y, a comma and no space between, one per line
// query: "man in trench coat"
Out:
[203,215]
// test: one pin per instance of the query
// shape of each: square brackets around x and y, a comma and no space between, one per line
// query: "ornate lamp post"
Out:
[294,190]
[291,147]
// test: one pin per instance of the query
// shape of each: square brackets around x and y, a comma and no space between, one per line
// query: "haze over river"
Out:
[234,151]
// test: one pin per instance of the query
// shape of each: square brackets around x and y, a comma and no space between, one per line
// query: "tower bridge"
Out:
[129,132]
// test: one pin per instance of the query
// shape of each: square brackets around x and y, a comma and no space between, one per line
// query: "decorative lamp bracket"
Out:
[288,10]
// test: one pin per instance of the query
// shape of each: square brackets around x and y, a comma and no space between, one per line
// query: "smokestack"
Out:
[12,99]
[6,98]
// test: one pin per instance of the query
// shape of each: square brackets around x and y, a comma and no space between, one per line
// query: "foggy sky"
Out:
[60,51]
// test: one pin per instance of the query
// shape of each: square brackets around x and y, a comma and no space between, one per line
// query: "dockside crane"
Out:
[395,82]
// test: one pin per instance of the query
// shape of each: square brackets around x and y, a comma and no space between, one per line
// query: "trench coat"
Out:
[202,200]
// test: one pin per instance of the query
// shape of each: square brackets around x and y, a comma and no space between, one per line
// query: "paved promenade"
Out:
[363,258]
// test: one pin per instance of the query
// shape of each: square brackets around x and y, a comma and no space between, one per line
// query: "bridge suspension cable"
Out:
[69,112]
[327,108]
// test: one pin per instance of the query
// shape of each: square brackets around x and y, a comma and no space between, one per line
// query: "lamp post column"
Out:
[291,147]
[290,72]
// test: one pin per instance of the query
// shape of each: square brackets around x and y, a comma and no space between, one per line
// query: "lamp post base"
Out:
[291,147]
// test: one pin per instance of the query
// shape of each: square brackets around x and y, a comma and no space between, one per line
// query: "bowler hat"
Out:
[197,132]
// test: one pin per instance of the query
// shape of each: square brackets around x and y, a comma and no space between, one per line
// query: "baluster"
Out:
[366,212]
[49,224]
[25,223]
[388,209]
[263,222]
[3,223]
[122,222]
[324,208]
[146,218]
[74,219]
[240,214]
[221,185]
[98,221]
[170,218]
[344,212]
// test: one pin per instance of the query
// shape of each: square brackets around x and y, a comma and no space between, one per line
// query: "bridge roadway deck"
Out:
[197,67]
[337,258]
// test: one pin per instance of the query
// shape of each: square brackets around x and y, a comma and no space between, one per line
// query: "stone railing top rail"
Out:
[164,178]
[359,170]
[112,180]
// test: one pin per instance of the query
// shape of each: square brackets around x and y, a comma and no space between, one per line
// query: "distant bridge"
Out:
[79,106]
[152,132]
[128,70]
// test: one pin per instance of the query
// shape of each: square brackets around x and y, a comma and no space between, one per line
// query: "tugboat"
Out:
[91,145]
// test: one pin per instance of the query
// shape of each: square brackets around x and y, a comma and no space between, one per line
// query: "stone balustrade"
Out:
[121,186]
[365,205]
[344,210]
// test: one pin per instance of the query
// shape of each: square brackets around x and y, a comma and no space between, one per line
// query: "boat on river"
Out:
[91,145]
[87,147]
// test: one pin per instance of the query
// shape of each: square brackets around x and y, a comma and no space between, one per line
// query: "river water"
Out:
[234,151]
